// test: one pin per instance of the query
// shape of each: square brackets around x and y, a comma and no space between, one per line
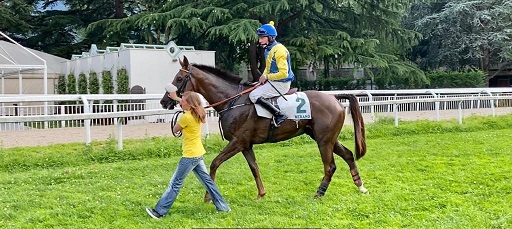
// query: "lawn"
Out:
[420,175]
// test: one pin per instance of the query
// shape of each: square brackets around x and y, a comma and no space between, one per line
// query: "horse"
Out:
[243,128]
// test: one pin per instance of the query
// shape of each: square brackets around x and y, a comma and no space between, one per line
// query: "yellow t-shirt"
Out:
[192,145]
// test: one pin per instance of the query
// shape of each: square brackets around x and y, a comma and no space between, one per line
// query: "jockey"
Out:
[277,76]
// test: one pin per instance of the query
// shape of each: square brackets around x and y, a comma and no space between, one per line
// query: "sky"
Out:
[57,6]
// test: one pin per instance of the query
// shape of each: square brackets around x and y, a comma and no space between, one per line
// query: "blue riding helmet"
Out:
[267,30]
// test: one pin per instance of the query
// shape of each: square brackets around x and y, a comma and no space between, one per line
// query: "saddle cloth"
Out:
[297,106]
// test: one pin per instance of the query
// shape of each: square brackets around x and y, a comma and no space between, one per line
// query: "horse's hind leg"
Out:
[347,155]
[251,160]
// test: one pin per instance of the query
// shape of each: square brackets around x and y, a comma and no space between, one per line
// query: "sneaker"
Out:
[153,213]
[224,211]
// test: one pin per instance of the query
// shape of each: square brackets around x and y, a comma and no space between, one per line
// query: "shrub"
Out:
[94,83]
[468,79]
[123,86]
[61,84]
[71,84]
[82,83]
[107,83]
[330,84]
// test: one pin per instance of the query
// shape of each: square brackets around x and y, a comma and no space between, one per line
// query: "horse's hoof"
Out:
[317,196]
[363,190]
[260,196]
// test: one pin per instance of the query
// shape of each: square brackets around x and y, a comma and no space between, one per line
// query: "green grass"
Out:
[420,175]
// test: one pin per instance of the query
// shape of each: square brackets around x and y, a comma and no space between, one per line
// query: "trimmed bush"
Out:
[71,84]
[82,83]
[107,83]
[61,84]
[123,86]
[94,83]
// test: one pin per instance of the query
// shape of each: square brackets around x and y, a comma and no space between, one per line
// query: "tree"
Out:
[62,32]
[333,32]
[15,16]
[467,34]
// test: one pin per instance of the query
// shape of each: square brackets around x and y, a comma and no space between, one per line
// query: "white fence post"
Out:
[492,103]
[119,125]
[460,112]
[395,109]
[436,104]
[62,112]
[372,107]
[87,122]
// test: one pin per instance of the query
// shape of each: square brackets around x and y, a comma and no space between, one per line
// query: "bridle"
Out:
[187,77]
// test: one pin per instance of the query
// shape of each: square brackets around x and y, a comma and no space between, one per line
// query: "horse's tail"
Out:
[357,118]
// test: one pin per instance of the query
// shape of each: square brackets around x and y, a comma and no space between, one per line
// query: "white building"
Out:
[148,66]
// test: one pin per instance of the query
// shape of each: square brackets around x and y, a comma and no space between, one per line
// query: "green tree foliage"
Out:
[82,83]
[367,33]
[449,79]
[462,34]
[94,83]
[15,16]
[334,32]
[107,83]
[62,32]
[71,84]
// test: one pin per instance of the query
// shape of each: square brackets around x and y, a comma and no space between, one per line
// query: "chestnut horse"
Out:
[243,128]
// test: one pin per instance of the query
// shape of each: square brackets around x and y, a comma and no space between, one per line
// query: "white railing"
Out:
[93,110]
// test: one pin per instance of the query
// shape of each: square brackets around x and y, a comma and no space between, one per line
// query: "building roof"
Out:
[14,55]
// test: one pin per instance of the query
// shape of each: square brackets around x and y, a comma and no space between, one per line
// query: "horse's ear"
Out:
[184,64]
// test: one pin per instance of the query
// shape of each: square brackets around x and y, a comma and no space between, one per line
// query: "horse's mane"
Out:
[220,73]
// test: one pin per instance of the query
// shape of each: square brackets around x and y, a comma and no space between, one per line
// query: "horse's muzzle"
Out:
[167,103]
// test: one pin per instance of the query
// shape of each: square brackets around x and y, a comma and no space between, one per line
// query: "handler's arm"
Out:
[177,128]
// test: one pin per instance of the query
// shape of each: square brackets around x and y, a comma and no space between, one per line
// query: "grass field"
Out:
[420,175]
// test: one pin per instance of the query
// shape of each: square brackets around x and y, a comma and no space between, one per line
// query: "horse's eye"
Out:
[179,79]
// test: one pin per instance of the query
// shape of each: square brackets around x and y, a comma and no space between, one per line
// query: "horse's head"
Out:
[182,78]
[181,81]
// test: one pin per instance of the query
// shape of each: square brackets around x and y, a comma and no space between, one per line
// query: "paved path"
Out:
[37,137]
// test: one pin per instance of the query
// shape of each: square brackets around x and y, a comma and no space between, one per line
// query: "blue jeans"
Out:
[186,165]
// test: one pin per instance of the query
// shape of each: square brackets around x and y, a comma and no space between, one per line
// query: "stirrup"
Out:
[284,117]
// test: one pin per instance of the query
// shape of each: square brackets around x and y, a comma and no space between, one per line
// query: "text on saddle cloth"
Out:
[297,106]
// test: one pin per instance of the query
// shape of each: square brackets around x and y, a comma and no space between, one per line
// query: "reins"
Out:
[234,96]
[174,120]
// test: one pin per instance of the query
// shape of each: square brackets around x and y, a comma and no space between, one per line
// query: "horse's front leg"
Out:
[251,160]
[229,151]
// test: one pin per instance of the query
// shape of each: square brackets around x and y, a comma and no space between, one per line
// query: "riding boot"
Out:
[278,115]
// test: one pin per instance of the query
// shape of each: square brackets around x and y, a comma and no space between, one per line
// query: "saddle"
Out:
[291,91]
